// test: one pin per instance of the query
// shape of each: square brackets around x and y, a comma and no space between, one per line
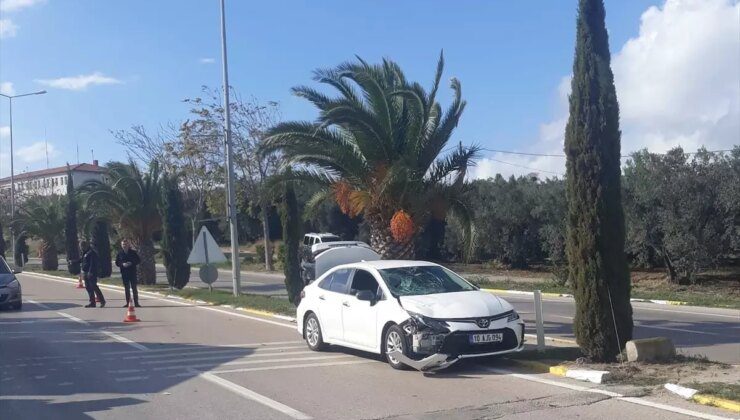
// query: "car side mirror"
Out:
[16,271]
[365,295]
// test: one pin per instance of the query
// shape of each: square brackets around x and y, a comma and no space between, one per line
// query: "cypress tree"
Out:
[101,243]
[2,241]
[70,229]
[175,240]
[291,221]
[595,237]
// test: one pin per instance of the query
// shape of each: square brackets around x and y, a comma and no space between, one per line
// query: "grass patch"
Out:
[544,286]
[250,301]
[717,389]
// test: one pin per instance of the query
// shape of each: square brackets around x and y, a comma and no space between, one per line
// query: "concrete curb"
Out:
[703,399]
[200,302]
[568,295]
[587,375]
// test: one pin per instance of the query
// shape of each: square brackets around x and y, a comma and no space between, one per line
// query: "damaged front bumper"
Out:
[433,345]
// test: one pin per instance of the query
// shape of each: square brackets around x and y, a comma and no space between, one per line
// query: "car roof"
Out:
[323,235]
[384,264]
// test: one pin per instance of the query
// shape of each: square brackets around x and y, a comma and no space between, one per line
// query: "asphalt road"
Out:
[183,361]
[709,332]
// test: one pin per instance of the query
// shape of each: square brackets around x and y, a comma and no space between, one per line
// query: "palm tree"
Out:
[43,218]
[379,150]
[129,199]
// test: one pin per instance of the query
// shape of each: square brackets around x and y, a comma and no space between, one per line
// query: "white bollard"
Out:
[540,322]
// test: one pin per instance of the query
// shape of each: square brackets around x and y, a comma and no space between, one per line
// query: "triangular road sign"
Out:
[206,250]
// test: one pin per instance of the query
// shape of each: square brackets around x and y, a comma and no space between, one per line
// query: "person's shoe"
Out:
[90,305]
[126,305]
[102,304]
[137,305]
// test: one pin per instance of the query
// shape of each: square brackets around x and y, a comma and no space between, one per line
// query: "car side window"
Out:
[326,282]
[340,280]
[307,240]
[364,280]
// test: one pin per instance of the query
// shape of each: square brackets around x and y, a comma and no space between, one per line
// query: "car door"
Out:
[359,317]
[333,292]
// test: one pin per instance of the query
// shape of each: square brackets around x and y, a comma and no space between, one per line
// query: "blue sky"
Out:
[146,56]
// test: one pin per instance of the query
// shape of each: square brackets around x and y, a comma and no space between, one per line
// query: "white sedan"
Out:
[415,313]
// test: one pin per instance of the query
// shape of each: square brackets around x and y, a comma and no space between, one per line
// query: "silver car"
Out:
[10,287]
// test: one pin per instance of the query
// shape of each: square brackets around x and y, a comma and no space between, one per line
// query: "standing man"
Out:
[127,260]
[90,273]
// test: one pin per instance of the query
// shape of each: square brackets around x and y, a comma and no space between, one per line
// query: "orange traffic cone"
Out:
[131,314]
[79,283]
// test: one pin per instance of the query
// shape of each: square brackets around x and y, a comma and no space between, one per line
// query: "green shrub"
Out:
[260,250]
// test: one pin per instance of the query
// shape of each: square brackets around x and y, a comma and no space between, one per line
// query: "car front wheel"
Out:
[312,331]
[393,341]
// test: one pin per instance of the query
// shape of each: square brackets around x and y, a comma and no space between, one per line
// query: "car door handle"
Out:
[345,304]
[322,297]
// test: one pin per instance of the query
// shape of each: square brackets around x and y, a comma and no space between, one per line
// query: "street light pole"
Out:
[12,169]
[230,195]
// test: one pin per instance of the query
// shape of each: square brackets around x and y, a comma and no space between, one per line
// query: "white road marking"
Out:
[637,324]
[214,355]
[254,362]
[249,394]
[73,318]
[614,395]
[132,378]
[126,370]
[158,297]
[125,340]
[38,304]
[64,384]
[197,347]
[302,365]
[735,317]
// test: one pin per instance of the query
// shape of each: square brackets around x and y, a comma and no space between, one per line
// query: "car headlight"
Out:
[420,322]
[513,316]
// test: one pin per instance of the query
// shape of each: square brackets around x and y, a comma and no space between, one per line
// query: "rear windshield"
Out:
[330,239]
[423,280]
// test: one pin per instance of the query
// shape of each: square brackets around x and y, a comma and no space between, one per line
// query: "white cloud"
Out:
[678,84]
[80,82]
[8,29]
[36,152]
[207,60]
[4,131]
[14,5]
[6,88]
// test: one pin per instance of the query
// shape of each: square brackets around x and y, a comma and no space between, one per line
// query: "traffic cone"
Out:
[97,299]
[79,283]
[131,314]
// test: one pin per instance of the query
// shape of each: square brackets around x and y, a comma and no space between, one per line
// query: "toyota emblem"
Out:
[483,322]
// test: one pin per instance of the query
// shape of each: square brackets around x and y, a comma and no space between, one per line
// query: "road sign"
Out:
[208,274]
[206,250]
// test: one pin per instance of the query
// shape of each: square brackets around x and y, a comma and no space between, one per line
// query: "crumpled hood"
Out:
[471,304]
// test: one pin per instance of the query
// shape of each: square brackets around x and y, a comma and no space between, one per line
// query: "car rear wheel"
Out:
[312,331]
[393,341]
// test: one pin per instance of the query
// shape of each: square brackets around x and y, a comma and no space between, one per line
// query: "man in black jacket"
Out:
[127,260]
[90,274]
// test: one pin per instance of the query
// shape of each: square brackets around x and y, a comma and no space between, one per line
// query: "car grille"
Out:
[458,342]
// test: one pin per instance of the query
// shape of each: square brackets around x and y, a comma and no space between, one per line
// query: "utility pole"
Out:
[230,195]
[12,168]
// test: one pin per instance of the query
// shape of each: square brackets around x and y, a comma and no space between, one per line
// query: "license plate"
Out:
[486,338]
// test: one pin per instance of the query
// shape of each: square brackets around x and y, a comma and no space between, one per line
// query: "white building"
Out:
[51,181]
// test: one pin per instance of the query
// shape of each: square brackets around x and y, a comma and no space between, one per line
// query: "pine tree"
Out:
[70,229]
[101,244]
[2,241]
[291,221]
[175,241]
[595,238]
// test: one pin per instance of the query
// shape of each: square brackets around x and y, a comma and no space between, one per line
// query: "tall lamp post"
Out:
[230,187]
[12,174]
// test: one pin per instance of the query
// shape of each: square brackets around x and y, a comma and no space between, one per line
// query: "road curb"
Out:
[703,399]
[586,375]
[198,301]
[568,295]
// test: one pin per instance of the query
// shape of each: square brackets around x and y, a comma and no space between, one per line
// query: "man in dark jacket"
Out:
[90,274]
[127,260]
